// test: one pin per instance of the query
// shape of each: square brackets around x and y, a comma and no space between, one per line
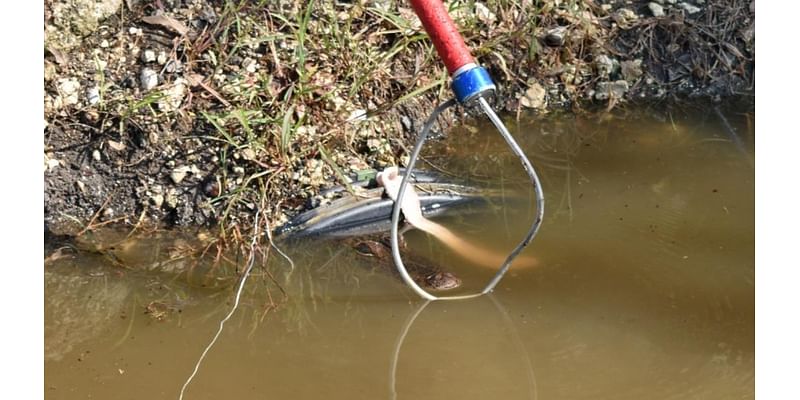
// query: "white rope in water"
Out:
[278,249]
[250,264]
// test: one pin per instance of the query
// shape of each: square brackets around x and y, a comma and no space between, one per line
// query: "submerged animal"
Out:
[424,273]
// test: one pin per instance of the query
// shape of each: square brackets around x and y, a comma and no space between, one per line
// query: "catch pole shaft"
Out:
[469,79]
[443,33]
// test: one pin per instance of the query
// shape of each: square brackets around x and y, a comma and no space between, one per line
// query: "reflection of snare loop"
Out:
[532,388]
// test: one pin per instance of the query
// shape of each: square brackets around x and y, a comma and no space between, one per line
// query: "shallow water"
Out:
[645,289]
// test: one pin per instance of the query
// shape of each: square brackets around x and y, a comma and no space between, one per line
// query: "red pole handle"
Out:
[443,33]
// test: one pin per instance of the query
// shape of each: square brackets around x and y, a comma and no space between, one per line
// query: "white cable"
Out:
[250,264]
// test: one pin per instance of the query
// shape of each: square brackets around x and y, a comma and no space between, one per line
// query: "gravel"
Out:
[148,79]
[656,9]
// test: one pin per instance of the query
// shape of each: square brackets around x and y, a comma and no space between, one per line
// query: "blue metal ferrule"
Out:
[471,82]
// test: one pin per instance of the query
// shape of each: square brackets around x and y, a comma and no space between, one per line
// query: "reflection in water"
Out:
[508,324]
[645,289]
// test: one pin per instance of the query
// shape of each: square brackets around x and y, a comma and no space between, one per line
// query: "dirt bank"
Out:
[197,112]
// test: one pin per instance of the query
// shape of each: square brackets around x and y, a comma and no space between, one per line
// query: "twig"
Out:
[96,214]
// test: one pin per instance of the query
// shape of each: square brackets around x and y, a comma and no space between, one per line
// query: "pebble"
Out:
[250,65]
[407,125]
[689,8]
[631,70]
[179,173]
[625,16]
[161,59]
[616,89]
[173,66]
[555,36]
[157,200]
[50,163]
[117,146]
[173,96]
[172,199]
[96,155]
[484,14]
[656,9]
[148,56]
[93,95]
[148,79]
[357,115]
[604,65]
[534,97]
[68,89]
[249,154]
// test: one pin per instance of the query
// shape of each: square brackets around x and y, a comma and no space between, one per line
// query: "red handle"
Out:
[443,33]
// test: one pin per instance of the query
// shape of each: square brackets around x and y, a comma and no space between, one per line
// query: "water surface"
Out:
[645,289]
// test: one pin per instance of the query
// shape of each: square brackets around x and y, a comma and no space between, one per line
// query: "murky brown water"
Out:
[646,290]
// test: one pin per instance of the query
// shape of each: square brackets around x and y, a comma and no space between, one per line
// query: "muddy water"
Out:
[645,288]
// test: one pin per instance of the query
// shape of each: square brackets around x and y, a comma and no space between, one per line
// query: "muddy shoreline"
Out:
[197,113]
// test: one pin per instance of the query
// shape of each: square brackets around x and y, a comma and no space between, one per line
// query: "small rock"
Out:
[249,154]
[50,71]
[81,186]
[161,59]
[250,65]
[96,155]
[117,146]
[555,36]
[689,8]
[407,125]
[238,170]
[93,95]
[50,163]
[172,199]
[357,115]
[104,44]
[656,9]
[148,79]
[569,74]
[135,31]
[631,70]
[484,14]
[605,65]
[624,17]
[534,97]
[68,91]
[157,200]
[173,96]
[616,89]
[148,56]
[173,66]
[179,173]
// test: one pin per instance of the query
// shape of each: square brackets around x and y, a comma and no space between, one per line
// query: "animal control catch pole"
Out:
[470,83]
